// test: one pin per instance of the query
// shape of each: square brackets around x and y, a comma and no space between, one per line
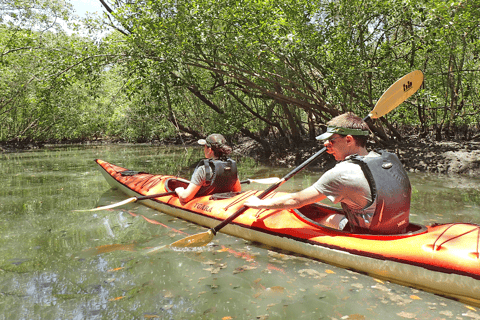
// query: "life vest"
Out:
[391,191]
[221,176]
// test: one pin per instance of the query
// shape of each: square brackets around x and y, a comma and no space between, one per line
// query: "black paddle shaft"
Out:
[158,195]
[270,189]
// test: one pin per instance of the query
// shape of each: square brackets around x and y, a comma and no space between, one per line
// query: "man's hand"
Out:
[253,202]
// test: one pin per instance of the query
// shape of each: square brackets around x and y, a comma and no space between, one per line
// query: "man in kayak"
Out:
[215,174]
[372,187]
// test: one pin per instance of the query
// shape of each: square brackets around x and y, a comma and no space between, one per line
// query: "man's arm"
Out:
[288,201]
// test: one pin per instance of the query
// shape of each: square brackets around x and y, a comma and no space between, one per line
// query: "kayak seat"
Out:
[325,216]
[224,195]
[172,183]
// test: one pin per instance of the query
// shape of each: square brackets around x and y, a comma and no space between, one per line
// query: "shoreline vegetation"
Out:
[449,157]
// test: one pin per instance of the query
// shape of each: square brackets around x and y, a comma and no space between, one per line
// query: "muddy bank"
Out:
[417,155]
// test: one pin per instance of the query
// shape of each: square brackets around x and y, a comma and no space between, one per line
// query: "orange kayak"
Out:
[443,258]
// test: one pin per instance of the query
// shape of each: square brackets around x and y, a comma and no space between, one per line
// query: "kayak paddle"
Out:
[158,195]
[129,200]
[394,96]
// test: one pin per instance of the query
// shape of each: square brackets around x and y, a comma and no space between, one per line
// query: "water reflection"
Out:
[57,264]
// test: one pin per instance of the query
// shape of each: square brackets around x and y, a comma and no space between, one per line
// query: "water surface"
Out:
[56,263]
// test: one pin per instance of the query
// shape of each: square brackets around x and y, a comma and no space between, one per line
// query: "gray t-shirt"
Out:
[346,183]
[199,177]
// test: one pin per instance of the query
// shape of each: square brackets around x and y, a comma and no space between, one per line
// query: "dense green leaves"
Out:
[256,67]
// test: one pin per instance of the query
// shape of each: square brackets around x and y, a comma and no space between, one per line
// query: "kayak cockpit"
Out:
[324,216]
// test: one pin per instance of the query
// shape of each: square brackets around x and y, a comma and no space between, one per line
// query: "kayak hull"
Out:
[442,259]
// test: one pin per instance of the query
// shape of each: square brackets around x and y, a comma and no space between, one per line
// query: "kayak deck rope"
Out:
[242,197]
[475,228]
[260,211]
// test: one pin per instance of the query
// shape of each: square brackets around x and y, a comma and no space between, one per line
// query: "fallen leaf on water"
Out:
[471,308]
[381,288]
[379,281]
[223,249]
[356,317]
[407,315]
[311,273]
[276,289]
[470,314]
[414,297]
[256,295]
[117,298]
[242,269]
[227,318]
[116,269]
[257,280]
[330,271]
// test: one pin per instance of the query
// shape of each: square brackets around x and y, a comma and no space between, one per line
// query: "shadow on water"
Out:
[60,264]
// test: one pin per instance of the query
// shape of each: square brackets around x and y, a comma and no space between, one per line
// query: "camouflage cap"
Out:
[342,131]
[213,140]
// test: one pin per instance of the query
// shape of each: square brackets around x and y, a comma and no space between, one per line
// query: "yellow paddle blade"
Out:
[118,204]
[397,93]
[197,240]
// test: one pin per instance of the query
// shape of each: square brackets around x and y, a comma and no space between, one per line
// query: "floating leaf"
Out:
[330,271]
[471,308]
[311,273]
[379,281]
[117,298]
[414,297]
[407,315]
[116,269]
[227,318]
[356,317]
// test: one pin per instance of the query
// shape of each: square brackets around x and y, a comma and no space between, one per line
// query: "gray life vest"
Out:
[391,191]
[220,175]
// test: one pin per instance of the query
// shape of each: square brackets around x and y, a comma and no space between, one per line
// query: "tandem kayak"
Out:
[441,258]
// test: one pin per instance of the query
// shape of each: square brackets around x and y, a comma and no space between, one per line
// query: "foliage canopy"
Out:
[256,67]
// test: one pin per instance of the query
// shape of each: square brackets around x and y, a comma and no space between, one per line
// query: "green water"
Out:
[56,263]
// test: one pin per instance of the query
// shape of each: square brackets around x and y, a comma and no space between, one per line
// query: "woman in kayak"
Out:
[372,187]
[215,174]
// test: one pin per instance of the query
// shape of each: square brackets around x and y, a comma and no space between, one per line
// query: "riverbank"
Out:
[416,154]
